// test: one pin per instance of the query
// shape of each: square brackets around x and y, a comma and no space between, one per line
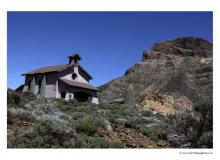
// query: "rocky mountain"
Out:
[181,67]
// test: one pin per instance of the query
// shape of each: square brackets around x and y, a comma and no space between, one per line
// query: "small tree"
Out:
[182,129]
[192,128]
[205,111]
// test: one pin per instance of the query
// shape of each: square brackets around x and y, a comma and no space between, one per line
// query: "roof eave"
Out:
[37,73]
[95,89]
[90,77]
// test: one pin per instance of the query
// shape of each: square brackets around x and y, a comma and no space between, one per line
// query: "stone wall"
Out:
[50,91]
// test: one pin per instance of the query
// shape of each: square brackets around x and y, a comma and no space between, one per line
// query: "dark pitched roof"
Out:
[56,68]
[50,69]
[79,84]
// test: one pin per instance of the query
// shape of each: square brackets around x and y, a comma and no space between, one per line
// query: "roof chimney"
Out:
[74,59]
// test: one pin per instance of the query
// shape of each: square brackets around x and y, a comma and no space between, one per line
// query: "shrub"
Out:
[154,133]
[205,141]
[86,127]
[205,127]
[13,98]
[99,142]
[9,117]
[47,134]
[116,110]
[135,123]
[26,97]
[20,114]
[192,129]
[85,109]
[139,122]
[17,99]
[117,145]
[25,116]
[147,113]
[73,106]
[182,129]
[205,111]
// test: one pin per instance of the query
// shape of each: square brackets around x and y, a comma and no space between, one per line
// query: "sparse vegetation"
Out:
[192,129]
[47,134]
[74,106]
[86,127]
[19,99]
[55,123]
[154,133]
[99,142]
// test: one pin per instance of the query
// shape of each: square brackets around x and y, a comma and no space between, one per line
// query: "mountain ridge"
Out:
[182,66]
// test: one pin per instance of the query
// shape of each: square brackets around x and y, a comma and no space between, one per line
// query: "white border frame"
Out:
[105,5]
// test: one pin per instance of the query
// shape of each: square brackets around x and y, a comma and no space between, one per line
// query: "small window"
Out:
[74,75]
[70,96]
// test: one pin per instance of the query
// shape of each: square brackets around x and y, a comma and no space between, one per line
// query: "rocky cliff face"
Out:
[179,67]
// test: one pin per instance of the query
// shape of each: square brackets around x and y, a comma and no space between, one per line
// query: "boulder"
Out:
[118,101]
[107,125]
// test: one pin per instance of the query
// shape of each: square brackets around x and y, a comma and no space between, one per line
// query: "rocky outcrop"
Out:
[163,104]
[188,46]
[180,67]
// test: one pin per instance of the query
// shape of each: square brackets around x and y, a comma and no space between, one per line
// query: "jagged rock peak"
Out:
[187,46]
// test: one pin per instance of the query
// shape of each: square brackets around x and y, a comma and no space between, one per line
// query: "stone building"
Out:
[68,81]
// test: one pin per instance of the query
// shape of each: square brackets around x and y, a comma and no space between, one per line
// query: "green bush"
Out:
[73,106]
[86,127]
[99,142]
[17,99]
[154,133]
[85,109]
[116,110]
[13,98]
[205,127]
[205,111]
[206,140]
[26,97]
[135,123]
[25,116]
[117,145]
[147,113]
[47,134]
[193,128]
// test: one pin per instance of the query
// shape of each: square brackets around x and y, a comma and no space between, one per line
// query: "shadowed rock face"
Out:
[181,67]
[185,47]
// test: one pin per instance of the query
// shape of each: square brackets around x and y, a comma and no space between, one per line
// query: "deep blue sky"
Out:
[108,42]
